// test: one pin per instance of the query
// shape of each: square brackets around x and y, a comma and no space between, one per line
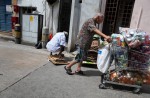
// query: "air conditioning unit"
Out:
[32,28]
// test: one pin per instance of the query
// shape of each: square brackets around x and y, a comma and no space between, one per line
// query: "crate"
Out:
[95,43]
[138,60]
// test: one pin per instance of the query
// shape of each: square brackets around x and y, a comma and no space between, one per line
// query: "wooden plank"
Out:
[55,60]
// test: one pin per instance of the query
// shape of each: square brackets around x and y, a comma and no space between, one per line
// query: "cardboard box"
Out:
[95,43]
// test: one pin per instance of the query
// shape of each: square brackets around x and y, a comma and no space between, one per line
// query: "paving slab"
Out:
[16,61]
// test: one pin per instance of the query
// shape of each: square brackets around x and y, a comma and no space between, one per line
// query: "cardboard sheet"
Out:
[55,60]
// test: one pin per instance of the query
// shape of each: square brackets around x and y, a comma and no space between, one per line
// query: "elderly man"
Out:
[57,43]
[84,41]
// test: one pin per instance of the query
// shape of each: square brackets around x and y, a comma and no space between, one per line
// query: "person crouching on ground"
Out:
[57,43]
[84,41]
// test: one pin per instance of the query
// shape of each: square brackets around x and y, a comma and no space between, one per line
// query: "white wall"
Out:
[88,8]
[34,3]
[55,18]
[74,24]
[40,4]
[141,15]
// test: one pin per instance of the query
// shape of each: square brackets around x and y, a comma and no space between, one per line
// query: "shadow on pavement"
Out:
[92,73]
[90,66]
[145,89]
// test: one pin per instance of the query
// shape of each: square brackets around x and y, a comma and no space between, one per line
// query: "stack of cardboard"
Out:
[92,52]
[95,44]
[56,60]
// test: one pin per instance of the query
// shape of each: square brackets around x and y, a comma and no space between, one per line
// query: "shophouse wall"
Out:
[87,9]
[141,15]
[42,7]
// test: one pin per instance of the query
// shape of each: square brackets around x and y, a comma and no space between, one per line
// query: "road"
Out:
[26,73]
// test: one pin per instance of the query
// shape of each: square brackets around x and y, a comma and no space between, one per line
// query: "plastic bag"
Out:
[118,40]
[38,45]
[103,58]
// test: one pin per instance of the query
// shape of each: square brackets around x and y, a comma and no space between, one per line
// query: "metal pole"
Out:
[45,12]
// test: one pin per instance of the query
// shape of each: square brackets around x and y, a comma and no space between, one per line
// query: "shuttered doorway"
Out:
[64,15]
[5,17]
[117,14]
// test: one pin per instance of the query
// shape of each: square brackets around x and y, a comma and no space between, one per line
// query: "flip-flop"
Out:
[68,71]
[79,72]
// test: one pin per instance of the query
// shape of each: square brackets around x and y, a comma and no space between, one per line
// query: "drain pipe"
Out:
[51,30]
[45,31]
[139,18]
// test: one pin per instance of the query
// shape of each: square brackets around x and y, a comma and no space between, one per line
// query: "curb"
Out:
[11,38]
[5,37]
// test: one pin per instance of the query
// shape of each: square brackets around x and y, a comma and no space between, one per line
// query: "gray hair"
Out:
[66,33]
[98,15]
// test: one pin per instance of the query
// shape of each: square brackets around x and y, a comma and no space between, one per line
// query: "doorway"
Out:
[118,13]
[64,15]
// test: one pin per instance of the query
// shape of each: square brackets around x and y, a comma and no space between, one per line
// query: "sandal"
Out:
[79,72]
[68,71]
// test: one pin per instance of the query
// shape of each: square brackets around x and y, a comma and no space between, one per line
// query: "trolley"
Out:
[131,69]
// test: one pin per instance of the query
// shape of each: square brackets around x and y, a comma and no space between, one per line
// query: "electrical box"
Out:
[32,28]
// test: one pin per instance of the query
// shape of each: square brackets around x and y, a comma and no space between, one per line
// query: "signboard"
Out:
[8,8]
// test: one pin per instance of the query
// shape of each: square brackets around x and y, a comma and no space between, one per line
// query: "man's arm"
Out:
[62,44]
[108,38]
[61,50]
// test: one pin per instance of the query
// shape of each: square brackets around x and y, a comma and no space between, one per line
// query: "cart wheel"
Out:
[136,90]
[102,86]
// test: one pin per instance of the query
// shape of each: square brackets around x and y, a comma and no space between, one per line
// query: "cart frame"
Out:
[105,78]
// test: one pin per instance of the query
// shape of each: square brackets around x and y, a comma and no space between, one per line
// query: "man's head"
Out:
[66,35]
[98,18]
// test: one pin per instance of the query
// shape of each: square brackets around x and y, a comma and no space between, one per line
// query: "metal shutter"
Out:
[5,17]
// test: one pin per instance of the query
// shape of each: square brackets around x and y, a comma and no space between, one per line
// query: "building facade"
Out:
[5,15]
[69,15]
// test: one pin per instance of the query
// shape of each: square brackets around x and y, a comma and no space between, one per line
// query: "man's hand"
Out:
[108,39]
[60,53]
[61,56]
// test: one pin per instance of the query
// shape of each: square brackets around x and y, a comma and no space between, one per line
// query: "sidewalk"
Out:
[26,73]
[7,36]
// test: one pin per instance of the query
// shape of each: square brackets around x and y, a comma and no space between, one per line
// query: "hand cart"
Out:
[130,69]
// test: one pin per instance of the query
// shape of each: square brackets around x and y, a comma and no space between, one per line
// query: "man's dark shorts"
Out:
[81,55]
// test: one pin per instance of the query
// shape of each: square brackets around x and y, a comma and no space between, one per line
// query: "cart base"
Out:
[107,84]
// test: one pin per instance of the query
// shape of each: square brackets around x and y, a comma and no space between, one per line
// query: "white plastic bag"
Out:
[103,58]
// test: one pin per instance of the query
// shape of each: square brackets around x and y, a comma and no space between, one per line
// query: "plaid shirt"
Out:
[86,34]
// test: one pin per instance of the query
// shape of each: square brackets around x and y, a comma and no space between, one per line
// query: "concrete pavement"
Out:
[6,36]
[16,61]
[28,74]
